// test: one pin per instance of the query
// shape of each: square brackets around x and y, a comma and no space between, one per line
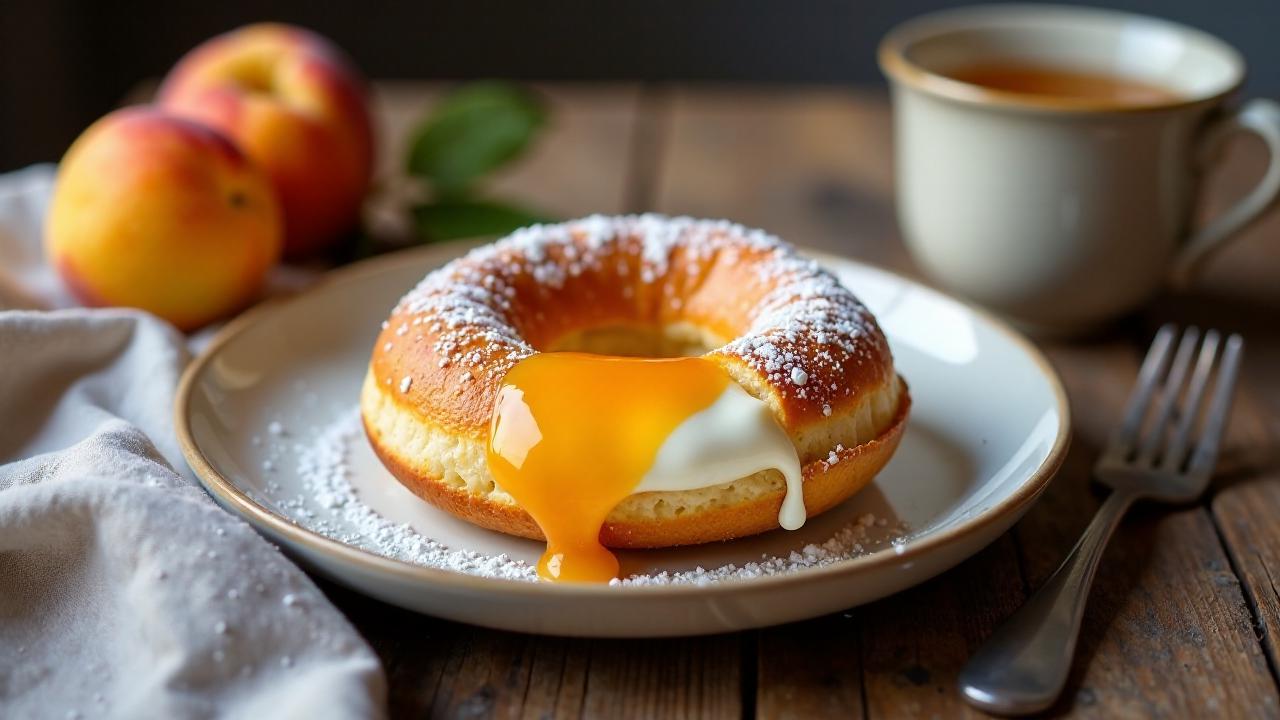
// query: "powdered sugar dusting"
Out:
[332,506]
[806,332]
[850,541]
[325,473]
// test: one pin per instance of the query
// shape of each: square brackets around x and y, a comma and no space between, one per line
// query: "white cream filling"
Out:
[733,438]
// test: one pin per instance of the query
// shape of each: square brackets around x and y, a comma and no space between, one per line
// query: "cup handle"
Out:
[1261,117]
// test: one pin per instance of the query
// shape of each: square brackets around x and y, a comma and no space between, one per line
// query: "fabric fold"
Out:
[124,590]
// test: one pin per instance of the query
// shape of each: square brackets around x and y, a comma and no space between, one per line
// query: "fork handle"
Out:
[1024,664]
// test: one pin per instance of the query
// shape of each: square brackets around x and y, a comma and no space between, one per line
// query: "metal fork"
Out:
[1024,664]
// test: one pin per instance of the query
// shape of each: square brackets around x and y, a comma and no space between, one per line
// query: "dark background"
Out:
[63,63]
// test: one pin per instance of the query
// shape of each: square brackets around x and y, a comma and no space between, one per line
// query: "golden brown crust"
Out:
[456,334]
[825,486]
[800,342]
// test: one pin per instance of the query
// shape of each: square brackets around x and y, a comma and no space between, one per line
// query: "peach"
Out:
[294,104]
[160,213]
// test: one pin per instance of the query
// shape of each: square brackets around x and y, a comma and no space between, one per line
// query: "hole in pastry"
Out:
[677,340]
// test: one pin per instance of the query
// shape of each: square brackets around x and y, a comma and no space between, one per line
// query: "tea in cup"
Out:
[1049,158]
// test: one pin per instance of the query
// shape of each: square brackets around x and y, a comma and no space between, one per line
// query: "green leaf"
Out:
[474,131]
[451,220]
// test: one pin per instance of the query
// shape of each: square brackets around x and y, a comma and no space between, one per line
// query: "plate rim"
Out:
[228,494]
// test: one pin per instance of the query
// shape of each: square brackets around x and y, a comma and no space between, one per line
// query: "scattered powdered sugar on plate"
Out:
[342,516]
[848,542]
[332,507]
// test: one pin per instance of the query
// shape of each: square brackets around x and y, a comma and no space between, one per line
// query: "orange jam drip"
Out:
[573,434]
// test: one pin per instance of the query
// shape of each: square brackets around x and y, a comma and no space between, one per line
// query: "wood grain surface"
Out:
[1184,618]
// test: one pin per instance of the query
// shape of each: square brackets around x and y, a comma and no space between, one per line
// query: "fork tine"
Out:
[1206,452]
[1177,449]
[1152,368]
[1169,393]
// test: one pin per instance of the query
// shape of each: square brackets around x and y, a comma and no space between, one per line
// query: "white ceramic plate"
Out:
[989,426]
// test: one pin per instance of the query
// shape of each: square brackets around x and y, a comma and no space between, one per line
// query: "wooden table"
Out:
[1186,611]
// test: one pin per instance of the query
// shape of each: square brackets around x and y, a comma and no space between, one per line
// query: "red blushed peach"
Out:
[294,104]
[160,213]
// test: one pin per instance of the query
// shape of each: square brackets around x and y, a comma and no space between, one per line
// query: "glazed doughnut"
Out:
[780,326]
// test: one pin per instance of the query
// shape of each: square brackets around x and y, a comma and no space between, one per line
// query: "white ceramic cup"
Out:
[1062,212]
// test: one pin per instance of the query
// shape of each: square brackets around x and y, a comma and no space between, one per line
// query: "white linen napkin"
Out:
[124,591]
[26,280]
